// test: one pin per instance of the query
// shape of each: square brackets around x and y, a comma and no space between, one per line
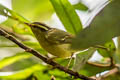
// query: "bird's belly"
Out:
[60,51]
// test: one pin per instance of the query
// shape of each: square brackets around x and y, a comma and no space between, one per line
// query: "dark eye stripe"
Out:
[41,26]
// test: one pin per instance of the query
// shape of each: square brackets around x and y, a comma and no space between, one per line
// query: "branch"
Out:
[11,32]
[37,54]
[98,64]
[111,72]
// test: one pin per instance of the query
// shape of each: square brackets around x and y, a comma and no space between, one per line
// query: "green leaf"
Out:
[22,74]
[2,12]
[67,15]
[15,16]
[90,70]
[10,60]
[109,51]
[6,43]
[21,29]
[117,55]
[80,6]
[57,73]
[82,58]
[41,76]
[103,28]
[114,76]
[12,14]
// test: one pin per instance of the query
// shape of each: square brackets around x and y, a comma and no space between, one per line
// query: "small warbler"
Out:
[55,41]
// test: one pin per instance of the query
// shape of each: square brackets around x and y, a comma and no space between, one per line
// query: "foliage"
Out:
[66,12]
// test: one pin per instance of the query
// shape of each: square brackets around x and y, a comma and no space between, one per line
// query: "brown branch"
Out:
[112,62]
[111,72]
[99,65]
[10,31]
[37,54]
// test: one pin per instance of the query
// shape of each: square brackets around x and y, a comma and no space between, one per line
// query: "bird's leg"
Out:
[70,61]
[49,59]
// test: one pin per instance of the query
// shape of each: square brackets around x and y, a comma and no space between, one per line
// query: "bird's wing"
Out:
[59,36]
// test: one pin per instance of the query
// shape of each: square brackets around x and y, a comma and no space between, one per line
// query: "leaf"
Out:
[82,58]
[12,14]
[10,60]
[103,28]
[114,76]
[67,15]
[80,6]
[90,70]
[21,29]
[109,51]
[6,43]
[117,55]
[57,73]
[22,74]
[41,76]
[65,61]
[2,12]
[15,16]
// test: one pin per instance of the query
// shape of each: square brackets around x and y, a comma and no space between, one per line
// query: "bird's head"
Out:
[38,25]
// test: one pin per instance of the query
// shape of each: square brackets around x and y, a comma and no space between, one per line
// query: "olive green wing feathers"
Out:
[58,36]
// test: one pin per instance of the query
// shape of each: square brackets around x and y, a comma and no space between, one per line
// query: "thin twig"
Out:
[99,65]
[112,62]
[37,54]
[111,72]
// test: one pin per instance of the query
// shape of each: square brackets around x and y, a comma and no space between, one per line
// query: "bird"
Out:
[54,41]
